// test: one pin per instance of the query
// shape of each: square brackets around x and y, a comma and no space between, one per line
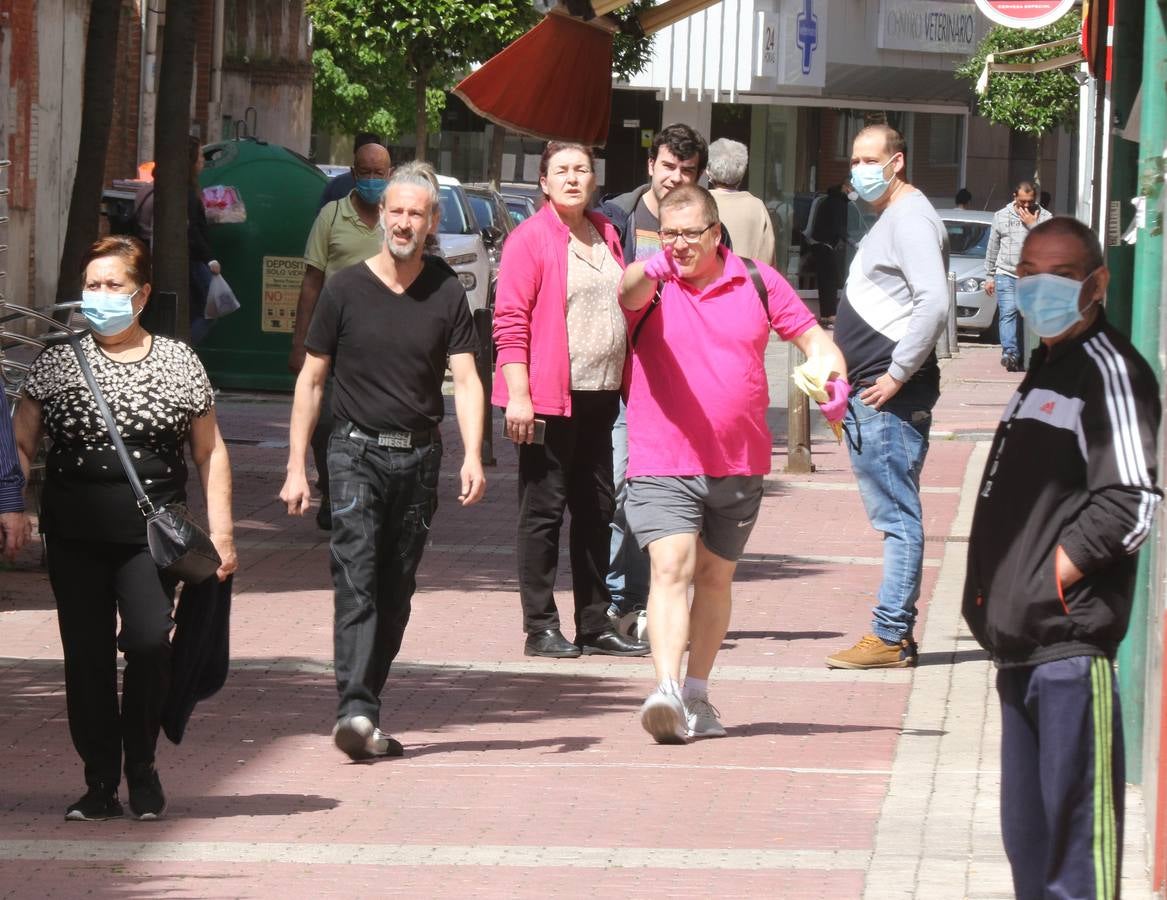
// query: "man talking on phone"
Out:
[1011,225]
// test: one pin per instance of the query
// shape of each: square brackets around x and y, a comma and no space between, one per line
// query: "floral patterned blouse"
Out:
[154,400]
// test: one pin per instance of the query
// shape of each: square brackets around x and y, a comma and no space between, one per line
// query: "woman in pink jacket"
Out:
[561,345]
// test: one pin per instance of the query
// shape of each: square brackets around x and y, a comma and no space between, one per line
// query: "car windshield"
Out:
[483,210]
[455,218]
[968,238]
[518,210]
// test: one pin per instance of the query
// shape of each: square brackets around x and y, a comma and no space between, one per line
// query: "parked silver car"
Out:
[968,239]
[461,241]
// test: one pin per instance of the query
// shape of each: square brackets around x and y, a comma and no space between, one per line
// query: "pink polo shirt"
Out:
[698,396]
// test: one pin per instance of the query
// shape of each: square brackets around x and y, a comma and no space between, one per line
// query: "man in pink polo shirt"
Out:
[698,442]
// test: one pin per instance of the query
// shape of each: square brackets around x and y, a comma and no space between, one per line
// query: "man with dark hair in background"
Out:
[1011,226]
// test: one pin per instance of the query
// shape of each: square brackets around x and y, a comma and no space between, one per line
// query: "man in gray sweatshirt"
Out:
[894,309]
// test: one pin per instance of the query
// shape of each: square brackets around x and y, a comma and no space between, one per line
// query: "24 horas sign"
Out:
[1024,13]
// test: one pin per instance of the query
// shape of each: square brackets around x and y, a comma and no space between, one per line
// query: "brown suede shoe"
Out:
[874,653]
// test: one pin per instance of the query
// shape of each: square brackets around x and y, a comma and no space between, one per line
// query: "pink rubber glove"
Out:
[661,267]
[834,409]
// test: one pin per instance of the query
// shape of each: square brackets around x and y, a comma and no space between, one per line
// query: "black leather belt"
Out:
[397,440]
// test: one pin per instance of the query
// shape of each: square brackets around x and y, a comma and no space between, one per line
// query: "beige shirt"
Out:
[340,238]
[596,333]
[748,222]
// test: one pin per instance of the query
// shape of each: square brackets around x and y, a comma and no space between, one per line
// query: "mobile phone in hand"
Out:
[540,431]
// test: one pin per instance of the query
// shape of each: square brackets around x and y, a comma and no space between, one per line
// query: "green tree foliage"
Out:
[1032,104]
[381,65]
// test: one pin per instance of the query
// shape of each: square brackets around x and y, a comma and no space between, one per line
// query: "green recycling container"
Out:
[261,201]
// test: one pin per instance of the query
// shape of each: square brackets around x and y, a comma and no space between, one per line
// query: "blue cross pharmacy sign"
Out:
[792,44]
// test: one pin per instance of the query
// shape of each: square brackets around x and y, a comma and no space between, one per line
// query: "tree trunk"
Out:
[101,49]
[494,167]
[171,157]
[422,125]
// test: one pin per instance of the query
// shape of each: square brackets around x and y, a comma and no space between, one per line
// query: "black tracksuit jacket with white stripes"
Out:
[1072,464]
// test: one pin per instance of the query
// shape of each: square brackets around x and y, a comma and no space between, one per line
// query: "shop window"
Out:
[848,123]
[944,139]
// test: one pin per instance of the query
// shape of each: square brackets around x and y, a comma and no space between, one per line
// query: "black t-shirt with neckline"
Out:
[389,349]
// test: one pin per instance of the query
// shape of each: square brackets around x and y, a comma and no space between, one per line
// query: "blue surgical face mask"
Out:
[108,314]
[370,189]
[1049,303]
[869,181]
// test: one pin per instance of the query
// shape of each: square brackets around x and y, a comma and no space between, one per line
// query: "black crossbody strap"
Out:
[755,277]
[759,285]
[652,305]
[144,504]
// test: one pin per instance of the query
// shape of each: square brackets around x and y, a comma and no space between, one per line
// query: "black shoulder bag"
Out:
[178,544]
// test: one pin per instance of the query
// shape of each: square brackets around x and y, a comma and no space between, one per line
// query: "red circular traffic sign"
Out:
[1024,13]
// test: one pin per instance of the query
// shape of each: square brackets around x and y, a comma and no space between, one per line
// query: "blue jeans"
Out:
[1006,286]
[628,569]
[383,502]
[887,449]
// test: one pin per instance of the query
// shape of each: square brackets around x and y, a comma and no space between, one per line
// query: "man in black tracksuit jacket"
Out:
[1067,498]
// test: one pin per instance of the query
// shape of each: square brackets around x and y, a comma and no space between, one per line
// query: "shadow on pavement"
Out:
[782,635]
[788,729]
[951,657]
[224,807]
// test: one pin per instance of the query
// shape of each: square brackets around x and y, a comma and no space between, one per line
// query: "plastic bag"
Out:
[221,300]
[223,204]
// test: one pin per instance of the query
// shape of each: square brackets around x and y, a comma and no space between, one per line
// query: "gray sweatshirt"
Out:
[895,303]
[1005,240]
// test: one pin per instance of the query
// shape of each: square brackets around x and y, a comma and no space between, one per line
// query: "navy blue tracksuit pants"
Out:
[1062,779]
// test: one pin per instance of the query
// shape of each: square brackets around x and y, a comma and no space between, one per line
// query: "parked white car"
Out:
[461,242]
[968,240]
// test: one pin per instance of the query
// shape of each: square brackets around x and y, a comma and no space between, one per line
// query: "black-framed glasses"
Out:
[690,235]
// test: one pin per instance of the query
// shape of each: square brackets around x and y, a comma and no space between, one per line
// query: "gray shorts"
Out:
[722,510]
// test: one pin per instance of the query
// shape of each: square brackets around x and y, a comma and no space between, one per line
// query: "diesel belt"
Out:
[398,440]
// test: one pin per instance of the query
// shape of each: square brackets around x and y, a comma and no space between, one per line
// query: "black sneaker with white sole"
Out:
[147,802]
[98,804]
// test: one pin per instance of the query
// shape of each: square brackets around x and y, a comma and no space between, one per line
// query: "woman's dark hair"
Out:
[129,250]
[554,147]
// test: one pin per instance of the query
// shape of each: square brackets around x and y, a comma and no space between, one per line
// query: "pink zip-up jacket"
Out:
[530,307]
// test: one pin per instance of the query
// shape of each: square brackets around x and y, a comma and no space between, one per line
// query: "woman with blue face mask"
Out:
[99,564]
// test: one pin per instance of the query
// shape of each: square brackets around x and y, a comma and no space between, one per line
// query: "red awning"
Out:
[554,82]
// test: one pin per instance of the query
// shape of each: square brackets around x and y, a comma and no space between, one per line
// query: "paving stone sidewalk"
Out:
[531,778]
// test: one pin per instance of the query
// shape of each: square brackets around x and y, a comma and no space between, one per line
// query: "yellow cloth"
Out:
[811,378]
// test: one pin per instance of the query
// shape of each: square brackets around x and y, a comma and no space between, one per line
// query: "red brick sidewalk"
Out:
[522,777]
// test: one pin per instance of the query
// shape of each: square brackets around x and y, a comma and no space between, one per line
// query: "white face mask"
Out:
[108,313]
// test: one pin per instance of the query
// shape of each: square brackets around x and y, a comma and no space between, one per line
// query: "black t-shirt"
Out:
[86,493]
[389,350]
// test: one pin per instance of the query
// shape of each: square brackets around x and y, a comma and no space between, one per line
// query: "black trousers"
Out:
[383,503]
[1062,778]
[94,582]
[826,271]
[571,470]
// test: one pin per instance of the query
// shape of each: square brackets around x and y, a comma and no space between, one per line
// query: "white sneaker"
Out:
[634,625]
[663,716]
[701,719]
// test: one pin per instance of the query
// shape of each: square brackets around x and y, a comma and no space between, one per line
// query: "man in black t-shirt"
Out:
[385,326]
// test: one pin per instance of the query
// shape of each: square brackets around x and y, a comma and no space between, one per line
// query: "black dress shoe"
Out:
[611,643]
[550,643]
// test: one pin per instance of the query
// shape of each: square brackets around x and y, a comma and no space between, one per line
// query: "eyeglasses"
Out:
[690,235]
